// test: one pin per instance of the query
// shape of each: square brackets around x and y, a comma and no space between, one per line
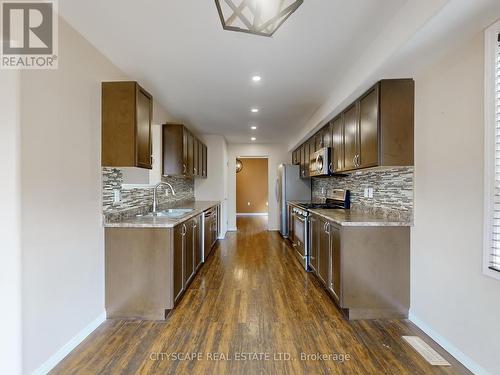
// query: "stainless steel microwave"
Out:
[320,162]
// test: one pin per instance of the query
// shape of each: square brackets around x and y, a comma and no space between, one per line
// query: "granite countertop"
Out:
[358,217]
[163,222]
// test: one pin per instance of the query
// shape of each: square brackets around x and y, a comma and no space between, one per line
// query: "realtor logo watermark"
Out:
[29,35]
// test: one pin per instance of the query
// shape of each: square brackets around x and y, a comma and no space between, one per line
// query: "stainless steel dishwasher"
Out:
[209,231]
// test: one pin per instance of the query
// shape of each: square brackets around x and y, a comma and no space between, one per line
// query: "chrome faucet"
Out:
[155,200]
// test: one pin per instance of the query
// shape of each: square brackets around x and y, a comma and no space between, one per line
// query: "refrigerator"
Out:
[290,187]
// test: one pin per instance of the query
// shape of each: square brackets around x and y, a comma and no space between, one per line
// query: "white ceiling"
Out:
[202,74]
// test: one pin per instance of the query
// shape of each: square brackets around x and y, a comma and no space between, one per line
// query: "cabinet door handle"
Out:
[184,168]
[195,171]
[184,230]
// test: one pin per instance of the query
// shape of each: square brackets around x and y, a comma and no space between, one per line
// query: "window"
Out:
[492,152]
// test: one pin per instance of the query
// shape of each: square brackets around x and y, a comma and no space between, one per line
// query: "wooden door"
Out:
[337,144]
[179,237]
[368,129]
[188,252]
[313,243]
[335,269]
[351,137]
[143,129]
[324,252]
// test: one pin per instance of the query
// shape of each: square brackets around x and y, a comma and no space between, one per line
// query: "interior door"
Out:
[351,137]
[337,142]
[143,130]
[368,129]
[179,236]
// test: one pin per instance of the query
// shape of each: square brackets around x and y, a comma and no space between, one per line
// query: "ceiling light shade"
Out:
[239,165]
[259,17]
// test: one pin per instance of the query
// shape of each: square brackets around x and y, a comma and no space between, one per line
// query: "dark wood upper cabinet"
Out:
[337,144]
[127,111]
[350,137]
[368,130]
[190,160]
[183,153]
[302,152]
[327,135]
[205,162]
[376,130]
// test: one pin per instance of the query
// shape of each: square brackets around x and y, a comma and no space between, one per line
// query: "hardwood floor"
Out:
[252,297]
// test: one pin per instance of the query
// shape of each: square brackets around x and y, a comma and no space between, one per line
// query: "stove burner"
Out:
[321,206]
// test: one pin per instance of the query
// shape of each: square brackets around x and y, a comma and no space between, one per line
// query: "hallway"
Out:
[252,310]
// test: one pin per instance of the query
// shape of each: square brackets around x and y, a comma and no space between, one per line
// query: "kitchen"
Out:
[126,251]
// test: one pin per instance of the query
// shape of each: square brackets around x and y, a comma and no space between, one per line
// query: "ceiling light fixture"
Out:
[255,110]
[259,17]
[256,78]
[253,139]
[253,128]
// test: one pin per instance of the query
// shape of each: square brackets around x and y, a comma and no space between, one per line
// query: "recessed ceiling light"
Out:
[253,139]
[256,78]
[255,110]
[253,128]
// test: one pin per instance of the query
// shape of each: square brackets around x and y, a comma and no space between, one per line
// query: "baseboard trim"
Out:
[58,356]
[253,214]
[450,348]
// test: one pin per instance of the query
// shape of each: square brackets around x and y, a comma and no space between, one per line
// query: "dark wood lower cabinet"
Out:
[148,269]
[323,251]
[366,270]
[313,243]
[178,269]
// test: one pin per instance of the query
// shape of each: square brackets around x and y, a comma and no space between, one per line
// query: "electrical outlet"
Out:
[365,193]
[370,192]
[117,195]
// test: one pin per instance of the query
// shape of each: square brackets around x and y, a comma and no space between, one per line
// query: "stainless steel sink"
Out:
[173,213]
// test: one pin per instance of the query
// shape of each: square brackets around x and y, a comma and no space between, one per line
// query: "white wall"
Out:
[451,298]
[215,188]
[62,233]
[10,201]
[276,154]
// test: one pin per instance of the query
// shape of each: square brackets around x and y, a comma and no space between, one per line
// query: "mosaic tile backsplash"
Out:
[392,189]
[139,200]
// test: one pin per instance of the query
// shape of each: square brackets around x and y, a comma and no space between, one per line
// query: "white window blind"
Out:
[495,230]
